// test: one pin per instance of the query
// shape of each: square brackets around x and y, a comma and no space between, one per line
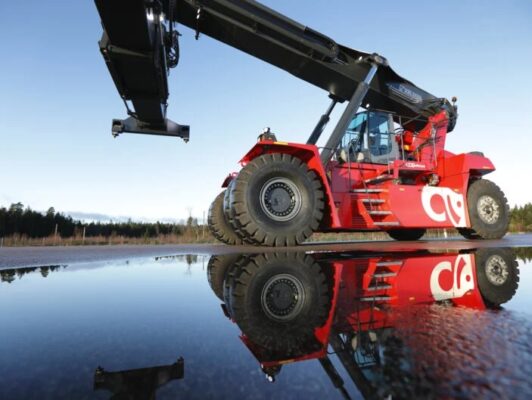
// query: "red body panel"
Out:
[364,196]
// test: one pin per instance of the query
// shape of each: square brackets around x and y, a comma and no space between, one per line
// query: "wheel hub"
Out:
[496,270]
[488,209]
[280,199]
[283,297]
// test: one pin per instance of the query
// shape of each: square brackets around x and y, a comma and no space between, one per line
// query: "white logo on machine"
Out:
[404,92]
[453,205]
[462,278]
[410,164]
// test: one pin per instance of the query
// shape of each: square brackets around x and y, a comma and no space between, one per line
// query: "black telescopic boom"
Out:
[350,110]
[139,48]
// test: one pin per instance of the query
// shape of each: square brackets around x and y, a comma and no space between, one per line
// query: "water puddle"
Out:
[447,324]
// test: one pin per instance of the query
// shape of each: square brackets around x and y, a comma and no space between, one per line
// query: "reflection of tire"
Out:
[406,234]
[217,269]
[278,300]
[278,201]
[497,275]
[488,210]
[468,233]
[218,224]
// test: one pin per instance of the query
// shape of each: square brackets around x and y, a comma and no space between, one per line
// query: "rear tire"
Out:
[468,233]
[218,224]
[277,200]
[497,275]
[489,213]
[406,234]
[230,214]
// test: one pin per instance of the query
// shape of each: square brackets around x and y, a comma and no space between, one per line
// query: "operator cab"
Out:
[369,138]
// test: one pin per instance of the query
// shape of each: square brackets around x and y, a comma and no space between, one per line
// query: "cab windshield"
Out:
[368,138]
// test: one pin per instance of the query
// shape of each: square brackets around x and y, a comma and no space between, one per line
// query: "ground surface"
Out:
[38,256]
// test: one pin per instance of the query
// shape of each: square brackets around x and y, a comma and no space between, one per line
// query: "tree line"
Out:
[521,218]
[20,220]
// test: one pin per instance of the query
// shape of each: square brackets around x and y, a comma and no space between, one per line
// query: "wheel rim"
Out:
[283,297]
[496,270]
[280,199]
[488,209]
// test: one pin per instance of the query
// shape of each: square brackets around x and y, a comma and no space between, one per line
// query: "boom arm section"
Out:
[138,51]
[257,30]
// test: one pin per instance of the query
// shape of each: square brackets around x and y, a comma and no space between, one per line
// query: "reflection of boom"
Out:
[138,384]
[139,45]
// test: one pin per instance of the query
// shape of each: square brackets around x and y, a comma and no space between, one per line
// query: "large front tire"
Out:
[278,201]
[220,228]
[489,213]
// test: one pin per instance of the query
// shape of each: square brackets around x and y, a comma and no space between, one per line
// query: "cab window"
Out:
[379,137]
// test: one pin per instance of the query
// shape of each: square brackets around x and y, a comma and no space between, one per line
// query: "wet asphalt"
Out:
[11,257]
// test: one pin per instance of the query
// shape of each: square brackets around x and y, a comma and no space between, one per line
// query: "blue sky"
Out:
[57,100]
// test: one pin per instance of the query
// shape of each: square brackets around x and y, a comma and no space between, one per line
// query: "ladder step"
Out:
[380,212]
[379,287]
[368,190]
[380,178]
[373,201]
[389,263]
[385,274]
[376,298]
[391,223]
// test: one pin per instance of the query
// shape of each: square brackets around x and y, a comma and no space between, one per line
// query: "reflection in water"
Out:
[189,259]
[9,275]
[398,324]
[523,253]
[138,384]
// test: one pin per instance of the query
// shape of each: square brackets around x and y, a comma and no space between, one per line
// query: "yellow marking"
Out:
[401,189]
[485,167]
[457,190]
[286,361]
[281,143]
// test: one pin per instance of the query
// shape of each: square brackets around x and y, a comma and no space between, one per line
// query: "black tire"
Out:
[231,276]
[217,270]
[497,275]
[406,234]
[230,214]
[468,233]
[218,224]
[277,200]
[489,213]
[278,300]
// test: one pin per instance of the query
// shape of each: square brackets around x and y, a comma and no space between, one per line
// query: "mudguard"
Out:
[310,156]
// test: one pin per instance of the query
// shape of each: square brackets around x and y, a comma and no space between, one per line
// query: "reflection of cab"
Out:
[291,307]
